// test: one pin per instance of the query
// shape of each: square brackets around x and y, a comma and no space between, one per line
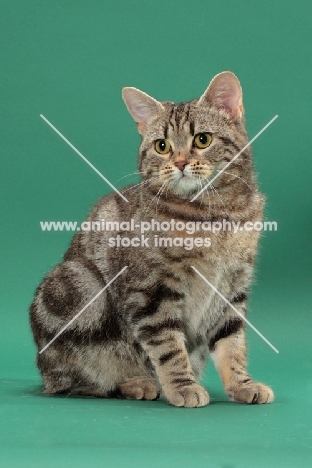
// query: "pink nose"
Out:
[181,165]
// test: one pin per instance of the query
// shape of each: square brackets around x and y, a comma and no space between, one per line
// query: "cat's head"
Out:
[185,145]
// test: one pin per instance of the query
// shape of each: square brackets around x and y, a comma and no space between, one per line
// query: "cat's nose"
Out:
[181,165]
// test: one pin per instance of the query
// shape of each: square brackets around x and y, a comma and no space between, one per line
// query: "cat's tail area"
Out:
[85,390]
[56,383]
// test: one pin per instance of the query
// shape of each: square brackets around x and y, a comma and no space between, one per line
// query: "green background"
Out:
[69,60]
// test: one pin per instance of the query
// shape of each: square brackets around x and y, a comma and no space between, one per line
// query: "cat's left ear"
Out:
[225,92]
[141,106]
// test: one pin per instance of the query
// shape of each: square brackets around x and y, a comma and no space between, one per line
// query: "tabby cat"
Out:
[150,332]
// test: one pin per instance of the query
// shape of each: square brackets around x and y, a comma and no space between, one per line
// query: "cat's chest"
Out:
[203,306]
[204,279]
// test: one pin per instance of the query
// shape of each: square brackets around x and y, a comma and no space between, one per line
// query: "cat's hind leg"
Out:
[139,389]
[59,299]
[93,355]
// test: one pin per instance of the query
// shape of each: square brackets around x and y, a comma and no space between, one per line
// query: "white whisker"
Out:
[202,194]
[155,196]
[209,206]
[234,175]
[162,189]
[128,175]
[144,182]
[220,198]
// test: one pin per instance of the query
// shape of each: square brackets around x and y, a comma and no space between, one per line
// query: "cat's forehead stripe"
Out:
[166,131]
[192,127]
[171,118]
[179,116]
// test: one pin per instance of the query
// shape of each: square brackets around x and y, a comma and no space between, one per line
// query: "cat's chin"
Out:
[185,186]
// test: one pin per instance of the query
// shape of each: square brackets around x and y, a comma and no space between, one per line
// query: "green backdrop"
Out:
[69,60]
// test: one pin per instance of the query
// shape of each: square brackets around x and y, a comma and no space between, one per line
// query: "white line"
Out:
[241,315]
[230,162]
[82,310]
[84,158]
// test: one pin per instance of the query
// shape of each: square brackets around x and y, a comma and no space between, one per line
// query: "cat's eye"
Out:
[202,140]
[162,146]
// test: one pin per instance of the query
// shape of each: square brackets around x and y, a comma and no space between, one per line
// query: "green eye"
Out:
[162,146]
[202,140]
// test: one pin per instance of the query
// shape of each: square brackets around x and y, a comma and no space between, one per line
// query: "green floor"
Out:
[38,430]
[41,431]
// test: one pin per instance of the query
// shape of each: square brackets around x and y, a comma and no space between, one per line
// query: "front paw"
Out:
[252,393]
[192,396]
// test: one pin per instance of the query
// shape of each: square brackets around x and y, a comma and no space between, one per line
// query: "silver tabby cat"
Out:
[150,332]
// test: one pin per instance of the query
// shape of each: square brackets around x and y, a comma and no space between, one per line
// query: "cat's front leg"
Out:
[160,333]
[164,344]
[228,351]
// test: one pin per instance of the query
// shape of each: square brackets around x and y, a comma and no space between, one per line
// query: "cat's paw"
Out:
[252,393]
[192,396]
[139,389]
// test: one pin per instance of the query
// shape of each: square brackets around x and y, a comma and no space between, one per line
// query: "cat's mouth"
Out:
[187,183]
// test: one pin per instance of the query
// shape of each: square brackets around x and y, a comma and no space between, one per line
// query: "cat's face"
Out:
[185,145]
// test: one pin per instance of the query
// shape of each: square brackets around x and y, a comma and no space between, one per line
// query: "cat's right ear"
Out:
[225,92]
[141,106]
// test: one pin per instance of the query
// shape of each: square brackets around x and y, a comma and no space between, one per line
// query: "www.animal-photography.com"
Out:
[156,254]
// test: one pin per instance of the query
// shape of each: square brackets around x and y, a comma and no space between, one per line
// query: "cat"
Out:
[151,331]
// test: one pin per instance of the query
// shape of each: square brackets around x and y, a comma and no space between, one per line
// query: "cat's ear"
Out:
[225,92]
[141,106]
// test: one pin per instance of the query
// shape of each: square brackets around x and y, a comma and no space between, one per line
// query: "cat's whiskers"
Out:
[234,175]
[155,196]
[220,198]
[128,175]
[144,182]
[209,205]
[213,190]
[168,187]
[205,181]
[202,194]
[170,178]
[161,191]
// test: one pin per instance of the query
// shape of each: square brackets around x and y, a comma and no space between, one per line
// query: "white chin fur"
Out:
[185,185]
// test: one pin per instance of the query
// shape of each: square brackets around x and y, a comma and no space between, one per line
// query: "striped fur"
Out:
[151,331]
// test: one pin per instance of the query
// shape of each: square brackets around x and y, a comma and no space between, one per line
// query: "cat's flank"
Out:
[151,330]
